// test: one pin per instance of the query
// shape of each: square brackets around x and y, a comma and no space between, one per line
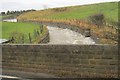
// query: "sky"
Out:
[42,4]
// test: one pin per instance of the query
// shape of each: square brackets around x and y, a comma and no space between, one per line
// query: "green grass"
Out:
[109,9]
[12,29]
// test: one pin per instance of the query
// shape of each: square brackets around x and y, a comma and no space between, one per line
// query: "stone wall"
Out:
[63,60]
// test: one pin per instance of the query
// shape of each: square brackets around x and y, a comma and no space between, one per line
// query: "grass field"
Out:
[110,10]
[17,30]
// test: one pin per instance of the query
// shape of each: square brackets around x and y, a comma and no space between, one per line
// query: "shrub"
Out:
[97,19]
[60,9]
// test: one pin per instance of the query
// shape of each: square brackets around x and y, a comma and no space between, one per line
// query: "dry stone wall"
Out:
[63,60]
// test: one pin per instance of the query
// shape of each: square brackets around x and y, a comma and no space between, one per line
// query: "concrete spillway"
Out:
[66,36]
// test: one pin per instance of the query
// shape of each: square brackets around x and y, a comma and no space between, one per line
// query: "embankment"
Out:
[44,38]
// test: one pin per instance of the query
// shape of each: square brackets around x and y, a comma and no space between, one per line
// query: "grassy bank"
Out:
[21,32]
[80,16]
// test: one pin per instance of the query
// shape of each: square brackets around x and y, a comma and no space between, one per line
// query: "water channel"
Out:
[67,36]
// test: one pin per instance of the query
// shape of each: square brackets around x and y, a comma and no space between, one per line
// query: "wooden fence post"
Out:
[41,28]
[35,34]
[29,38]
[12,39]
[23,38]
[38,33]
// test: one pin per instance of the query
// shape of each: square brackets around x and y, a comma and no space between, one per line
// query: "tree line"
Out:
[16,12]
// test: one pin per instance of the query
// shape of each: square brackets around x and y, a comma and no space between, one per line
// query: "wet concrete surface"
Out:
[67,36]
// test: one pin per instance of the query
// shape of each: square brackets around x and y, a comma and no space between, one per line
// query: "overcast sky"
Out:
[41,4]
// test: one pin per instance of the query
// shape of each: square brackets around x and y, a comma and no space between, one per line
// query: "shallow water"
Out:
[66,36]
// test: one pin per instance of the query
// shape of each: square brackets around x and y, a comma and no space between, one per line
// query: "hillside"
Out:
[80,16]
[110,10]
